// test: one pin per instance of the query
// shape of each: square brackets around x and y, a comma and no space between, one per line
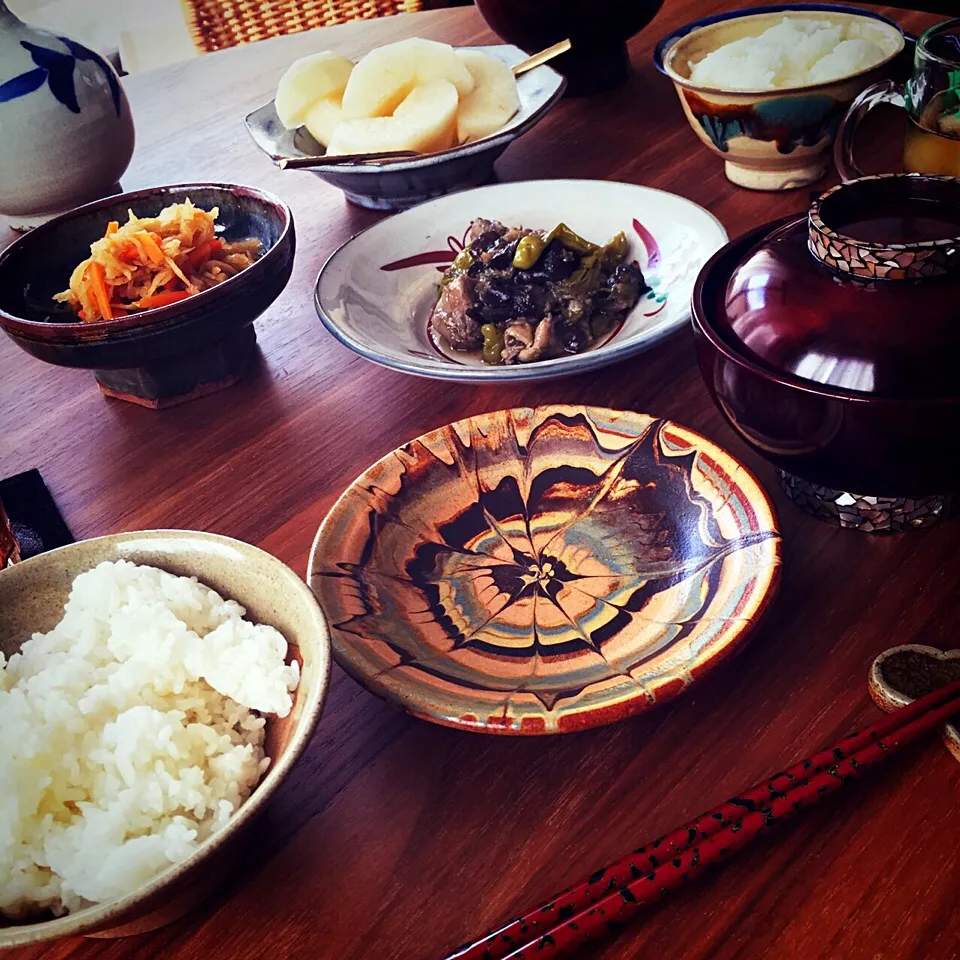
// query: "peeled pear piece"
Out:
[321,76]
[425,122]
[321,120]
[385,77]
[493,100]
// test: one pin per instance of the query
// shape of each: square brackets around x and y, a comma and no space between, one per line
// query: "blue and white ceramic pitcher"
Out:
[66,134]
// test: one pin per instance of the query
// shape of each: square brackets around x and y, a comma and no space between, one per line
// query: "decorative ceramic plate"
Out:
[376,292]
[544,570]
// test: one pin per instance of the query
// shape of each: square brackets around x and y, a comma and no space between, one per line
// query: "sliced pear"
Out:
[493,100]
[425,122]
[385,77]
[322,118]
[321,76]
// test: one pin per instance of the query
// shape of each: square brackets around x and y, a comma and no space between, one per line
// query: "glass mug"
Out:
[931,98]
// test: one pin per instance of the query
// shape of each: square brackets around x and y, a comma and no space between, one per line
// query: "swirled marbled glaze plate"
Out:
[544,570]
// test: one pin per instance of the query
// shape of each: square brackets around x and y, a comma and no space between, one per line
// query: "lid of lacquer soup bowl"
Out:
[861,296]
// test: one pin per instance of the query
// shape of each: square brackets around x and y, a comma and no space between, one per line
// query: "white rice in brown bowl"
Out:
[129,734]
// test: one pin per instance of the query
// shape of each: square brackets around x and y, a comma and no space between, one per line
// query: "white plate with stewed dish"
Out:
[377,293]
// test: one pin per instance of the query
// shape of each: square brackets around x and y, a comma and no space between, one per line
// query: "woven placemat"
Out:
[218,24]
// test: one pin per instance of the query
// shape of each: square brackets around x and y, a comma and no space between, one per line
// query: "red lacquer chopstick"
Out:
[571,918]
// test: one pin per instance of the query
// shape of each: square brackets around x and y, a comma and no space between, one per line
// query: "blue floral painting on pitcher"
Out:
[56,70]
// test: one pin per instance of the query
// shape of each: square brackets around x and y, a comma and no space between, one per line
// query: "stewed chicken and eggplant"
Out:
[518,295]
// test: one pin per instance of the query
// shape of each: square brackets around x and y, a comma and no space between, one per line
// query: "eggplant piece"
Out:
[526,304]
[623,288]
[495,292]
[483,234]
[571,337]
[501,256]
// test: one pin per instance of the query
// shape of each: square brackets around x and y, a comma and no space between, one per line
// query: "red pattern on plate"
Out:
[649,243]
[442,257]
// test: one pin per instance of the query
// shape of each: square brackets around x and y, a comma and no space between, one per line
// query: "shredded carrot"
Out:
[148,262]
[161,299]
[202,251]
[153,249]
[98,286]
[177,272]
[82,315]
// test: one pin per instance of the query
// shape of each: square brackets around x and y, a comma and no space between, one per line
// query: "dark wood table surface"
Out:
[394,838]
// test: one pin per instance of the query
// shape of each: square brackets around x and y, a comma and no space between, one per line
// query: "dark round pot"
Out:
[598,30]
[163,356]
[847,383]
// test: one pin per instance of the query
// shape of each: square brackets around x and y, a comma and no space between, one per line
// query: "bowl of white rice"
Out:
[155,689]
[766,91]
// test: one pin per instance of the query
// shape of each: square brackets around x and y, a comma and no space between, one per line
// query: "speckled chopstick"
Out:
[606,899]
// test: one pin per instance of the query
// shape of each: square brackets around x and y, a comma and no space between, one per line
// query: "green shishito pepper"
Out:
[572,241]
[528,251]
[461,263]
[492,343]
[615,252]
[584,278]
[530,248]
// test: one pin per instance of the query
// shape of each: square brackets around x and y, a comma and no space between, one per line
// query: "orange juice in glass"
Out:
[931,98]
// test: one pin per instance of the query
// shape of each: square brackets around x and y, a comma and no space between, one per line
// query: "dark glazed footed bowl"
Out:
[159,357]
[833,349]
[598,30]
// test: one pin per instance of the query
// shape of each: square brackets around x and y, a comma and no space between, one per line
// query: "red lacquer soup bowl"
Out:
[831,342]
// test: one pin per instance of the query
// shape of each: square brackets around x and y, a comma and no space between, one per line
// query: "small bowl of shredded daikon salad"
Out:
[156,290]
[151,262]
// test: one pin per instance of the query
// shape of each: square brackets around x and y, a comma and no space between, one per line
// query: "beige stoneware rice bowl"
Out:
[32,595]
[775,139]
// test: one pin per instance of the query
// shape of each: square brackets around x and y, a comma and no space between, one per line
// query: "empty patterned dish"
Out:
[376,293]
[544,570]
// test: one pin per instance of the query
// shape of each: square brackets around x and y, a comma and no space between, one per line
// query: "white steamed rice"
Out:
[129,734]
[793,53]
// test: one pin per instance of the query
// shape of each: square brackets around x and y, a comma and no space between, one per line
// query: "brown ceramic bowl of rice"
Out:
[205,651]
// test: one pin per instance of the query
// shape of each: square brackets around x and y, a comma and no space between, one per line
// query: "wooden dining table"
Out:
[396,838]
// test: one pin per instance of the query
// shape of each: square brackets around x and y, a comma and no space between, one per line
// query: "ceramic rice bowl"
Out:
[32,595]
[779,139]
